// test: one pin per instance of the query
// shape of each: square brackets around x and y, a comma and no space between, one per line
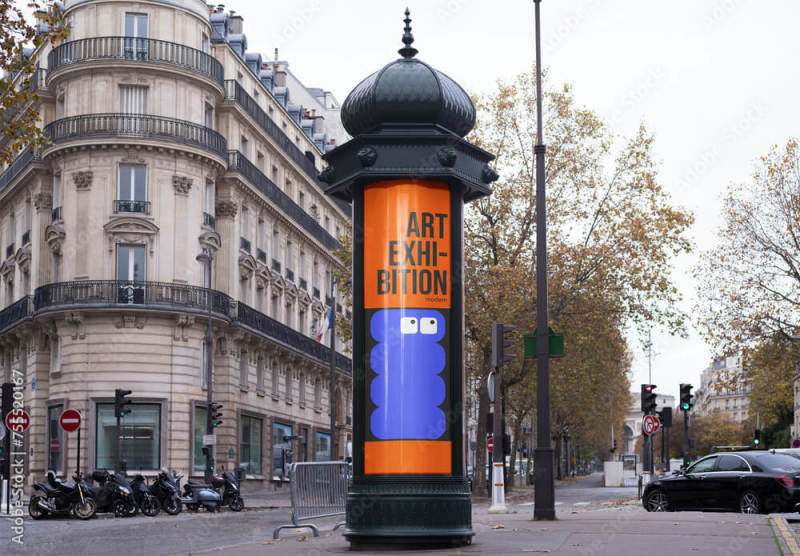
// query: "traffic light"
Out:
[666,417]
[648,398]
[121,408]
[687,400]
[500,344]
[216,414]
[757,438]
[614,446]
[660,415]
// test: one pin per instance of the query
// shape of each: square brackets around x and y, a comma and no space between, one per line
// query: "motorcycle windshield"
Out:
[230,477]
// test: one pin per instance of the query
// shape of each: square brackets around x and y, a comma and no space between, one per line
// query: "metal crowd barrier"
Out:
[319,489]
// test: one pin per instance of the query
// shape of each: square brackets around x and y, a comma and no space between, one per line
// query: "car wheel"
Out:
[657,501]
[34,509]
[84,510]
[749,503]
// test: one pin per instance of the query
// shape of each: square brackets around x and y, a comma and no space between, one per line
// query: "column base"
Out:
[410,511]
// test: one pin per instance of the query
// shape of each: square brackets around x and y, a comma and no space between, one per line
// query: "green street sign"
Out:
[556,347]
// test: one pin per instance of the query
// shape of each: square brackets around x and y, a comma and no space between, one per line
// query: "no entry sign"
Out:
[18,420]
[650,424]
[490,443]
[70,420]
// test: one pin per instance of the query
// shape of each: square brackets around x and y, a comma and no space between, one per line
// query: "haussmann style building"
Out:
[169,139]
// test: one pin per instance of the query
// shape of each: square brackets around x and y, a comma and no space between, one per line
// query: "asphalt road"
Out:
[193,532]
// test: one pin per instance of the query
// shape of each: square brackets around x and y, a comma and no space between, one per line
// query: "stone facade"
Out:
[715,396]
[164,146]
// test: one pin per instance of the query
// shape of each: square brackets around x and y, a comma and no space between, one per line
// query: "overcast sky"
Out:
[716,81]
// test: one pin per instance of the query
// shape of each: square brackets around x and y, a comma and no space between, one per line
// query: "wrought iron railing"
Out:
[138,50]
[244,244]
[15,312]
[209,220]
[127,205]
[285,335]
[56,214]
[19,164]
[136,125]
[276,265]
[237,162]
[117,292]
[26,237]
[261,256]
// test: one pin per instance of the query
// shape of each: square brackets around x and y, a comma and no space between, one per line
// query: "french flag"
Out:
[325,325]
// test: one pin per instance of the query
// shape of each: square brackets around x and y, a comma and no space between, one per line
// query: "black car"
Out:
[750,482]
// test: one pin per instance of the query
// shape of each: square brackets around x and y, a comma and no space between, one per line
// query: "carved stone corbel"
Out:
[226,209]
[182,323]
[181,184]
[43,202]
[78,324]
[54,236]
[83,180]
[131,320]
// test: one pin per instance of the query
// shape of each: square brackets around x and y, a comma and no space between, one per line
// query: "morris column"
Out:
[408,173]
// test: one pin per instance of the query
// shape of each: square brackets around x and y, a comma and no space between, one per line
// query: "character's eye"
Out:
[409,325]
[428,326]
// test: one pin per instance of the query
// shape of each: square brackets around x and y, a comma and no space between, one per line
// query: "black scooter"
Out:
[165,489]
[58,497]
[228,486]
[113,494]
[144,499]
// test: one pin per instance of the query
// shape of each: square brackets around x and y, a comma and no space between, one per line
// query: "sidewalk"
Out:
[618,531]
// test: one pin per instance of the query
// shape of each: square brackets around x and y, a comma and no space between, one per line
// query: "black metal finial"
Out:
[408,51]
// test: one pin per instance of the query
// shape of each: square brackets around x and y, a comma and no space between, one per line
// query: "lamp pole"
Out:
[207,258]
[544,507]
[332,389]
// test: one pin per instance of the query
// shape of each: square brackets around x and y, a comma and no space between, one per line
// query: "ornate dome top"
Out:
[406,92]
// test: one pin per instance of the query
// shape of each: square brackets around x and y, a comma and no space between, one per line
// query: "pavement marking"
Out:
[527,504]
[787,535]
[581,503]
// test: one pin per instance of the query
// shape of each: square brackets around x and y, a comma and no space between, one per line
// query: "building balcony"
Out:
[142,126]
[244,244]
[16,168]
[127,205]
[135,49]
[261,256]
[209,220]
[159,296]
[237,162]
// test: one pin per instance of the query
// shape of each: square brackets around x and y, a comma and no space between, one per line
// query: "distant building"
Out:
[714,396]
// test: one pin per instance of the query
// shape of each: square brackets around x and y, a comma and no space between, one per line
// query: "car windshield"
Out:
[779,462]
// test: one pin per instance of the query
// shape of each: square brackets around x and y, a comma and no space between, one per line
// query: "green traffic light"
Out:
[756,441]
[685,407]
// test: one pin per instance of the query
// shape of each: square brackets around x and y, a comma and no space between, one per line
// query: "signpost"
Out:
[650,424]
[795,443]
[70,421]
[490,444]
[18,420]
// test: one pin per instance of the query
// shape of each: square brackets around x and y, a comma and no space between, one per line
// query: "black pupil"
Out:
[413,321]
[433,321]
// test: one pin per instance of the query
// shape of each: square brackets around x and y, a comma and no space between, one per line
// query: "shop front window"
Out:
[140,436]
[199,463]
[250,446]
[323,447]
[55,438]
[281,449]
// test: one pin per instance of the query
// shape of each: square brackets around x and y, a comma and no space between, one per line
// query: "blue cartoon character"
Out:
[408,390]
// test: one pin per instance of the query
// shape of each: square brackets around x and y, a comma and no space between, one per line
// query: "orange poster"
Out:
[407,245]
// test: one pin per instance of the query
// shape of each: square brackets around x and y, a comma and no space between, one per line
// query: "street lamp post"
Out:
[207,258]
[544,507]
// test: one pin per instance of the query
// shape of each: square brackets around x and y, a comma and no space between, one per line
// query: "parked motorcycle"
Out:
[145,501]
[113,494]
[198,494]
[227,485]
[58,497]
[166,492]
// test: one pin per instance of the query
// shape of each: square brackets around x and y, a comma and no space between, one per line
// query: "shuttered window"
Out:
[132,99]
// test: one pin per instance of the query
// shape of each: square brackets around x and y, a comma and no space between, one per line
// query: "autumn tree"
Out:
[20,41]
[749,283]
[612,233]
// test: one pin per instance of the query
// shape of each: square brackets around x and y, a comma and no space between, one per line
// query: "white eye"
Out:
[428,326]
[409,325]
